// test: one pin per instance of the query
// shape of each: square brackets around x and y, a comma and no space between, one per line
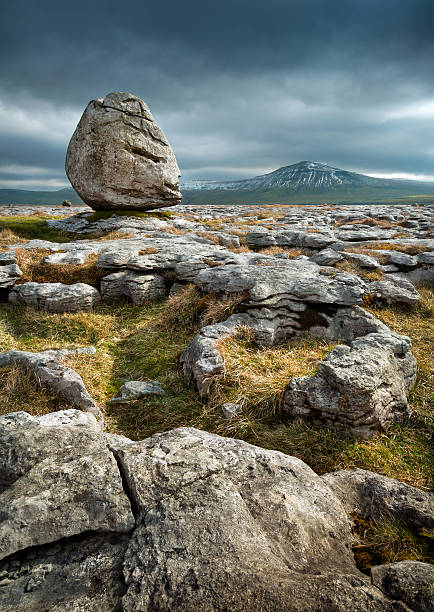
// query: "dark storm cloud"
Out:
[239,86]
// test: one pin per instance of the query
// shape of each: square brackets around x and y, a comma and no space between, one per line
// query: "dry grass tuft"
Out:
[173,230]
[410,249]
[211,237]
[353,268]
[256,377]
[275,250]
[387,541]
[7,236]
[372,222]
[214,309]
[181,310]
[27,392]
[34,269]
[148,251]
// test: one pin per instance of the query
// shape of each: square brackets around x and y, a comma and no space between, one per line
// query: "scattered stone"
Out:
[9,274]
[374,496]
[230,410]
[47,468]
[363,261]
[56,297]
[136,389]
[394,291]
[327,257]
[118,158]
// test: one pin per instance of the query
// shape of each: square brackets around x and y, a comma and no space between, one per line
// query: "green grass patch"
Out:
[30,228]
[106,214]
[388,541]
[144,343]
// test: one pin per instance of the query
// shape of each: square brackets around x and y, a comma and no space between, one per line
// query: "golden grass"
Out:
[256,377]
[410,249]
[353,268]
[292,252]
[371,221]
[26,393]
[31,263]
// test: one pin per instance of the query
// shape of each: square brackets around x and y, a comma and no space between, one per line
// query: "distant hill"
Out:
[24,196]
[304,182]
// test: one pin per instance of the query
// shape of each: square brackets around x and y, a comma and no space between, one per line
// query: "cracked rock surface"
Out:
[118,157]
[180,521]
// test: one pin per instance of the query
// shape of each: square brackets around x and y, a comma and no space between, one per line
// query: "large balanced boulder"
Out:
[118,157]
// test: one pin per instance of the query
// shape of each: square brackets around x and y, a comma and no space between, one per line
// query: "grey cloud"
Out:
[245,84]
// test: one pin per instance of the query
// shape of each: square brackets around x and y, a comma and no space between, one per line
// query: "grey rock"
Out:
[282,281]
[140,288]
[362,387]
[9,274]
[347,324]
[426,258]
[409,581]
[401,260]
[56,297]
[47,366]
[363,261]
[81,574]
[135,389]
[327,257]
[46,470]
[8,258]
[226,526]
[394,291]
[374,496]
[230,410]
[118,158]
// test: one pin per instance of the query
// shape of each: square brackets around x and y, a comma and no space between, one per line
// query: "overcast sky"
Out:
[240,87]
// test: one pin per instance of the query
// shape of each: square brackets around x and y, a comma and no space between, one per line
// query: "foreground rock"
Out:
[118,158]
[47,366]
[362,387]
[56,297]
[219,525]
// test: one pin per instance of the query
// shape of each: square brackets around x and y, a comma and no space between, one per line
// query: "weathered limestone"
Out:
[118,158]
[283,281]
[139,288]
[362,387]
[374,496]
[394,291]
[9,274]
[46,478]
[56,297]
[182,520]
[136,389]
[47,366]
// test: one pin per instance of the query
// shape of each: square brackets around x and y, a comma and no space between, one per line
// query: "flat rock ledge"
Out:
[47,366]
[56,297]
[184,520]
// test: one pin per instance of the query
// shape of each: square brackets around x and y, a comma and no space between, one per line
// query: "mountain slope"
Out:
[303,182]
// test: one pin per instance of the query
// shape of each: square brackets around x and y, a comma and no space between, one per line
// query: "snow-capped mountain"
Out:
[303,176]
[304,182]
